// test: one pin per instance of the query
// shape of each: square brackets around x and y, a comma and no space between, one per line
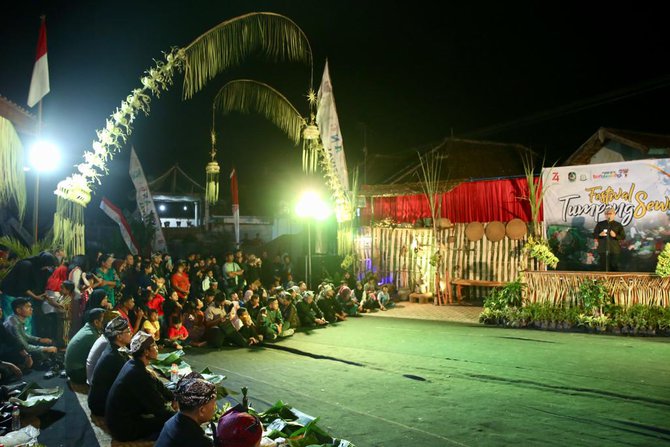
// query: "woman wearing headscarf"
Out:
[27,279]
[110,279]
[197,405]
[136,407]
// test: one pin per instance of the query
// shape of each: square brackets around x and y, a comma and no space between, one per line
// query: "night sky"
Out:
[410,73]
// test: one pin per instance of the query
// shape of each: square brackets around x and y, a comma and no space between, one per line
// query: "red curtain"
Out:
[479,201]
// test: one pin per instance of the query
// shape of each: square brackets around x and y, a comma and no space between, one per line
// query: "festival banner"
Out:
[329,127]
[114,213]
[145,202]
[575,200]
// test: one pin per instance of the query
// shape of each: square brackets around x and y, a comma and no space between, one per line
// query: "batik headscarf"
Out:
[140,341]
[116,327]
[194,391]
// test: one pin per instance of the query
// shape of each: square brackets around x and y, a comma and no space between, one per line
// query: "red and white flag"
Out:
[236,206]
[39,85]
[117,216]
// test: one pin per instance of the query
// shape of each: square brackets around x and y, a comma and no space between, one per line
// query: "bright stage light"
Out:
[44,156]
[311,205]
[161,207]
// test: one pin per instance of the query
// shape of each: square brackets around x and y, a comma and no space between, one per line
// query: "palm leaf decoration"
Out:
[23,251]
[247,96]
[13,186]
[229,43]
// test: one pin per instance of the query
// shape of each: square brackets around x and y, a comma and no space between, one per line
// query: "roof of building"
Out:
[463,160]
[641,141]
[24,121]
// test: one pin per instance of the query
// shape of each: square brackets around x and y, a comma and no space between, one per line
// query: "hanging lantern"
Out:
[212,188]
[310,148]
[212,170]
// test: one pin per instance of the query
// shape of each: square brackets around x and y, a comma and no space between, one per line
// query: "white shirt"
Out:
[94,355]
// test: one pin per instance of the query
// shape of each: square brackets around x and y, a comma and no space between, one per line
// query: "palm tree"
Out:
[246,96]
[220,48]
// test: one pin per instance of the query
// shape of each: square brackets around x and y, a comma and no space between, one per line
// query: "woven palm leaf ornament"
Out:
[212,171]
[220,48]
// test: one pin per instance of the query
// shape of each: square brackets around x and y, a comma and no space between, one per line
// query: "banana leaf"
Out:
[278,410]
[168,358]
[36,400]
[165,370]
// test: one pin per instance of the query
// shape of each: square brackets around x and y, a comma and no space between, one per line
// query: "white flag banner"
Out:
[575,200]
[145,202]
[329,127]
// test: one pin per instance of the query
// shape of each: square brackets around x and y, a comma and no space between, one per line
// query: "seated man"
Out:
[271,322]
[81,344]
[347,301]
[11,351]
[246,334]
[137,405]
[332,311]
[15,325]
[309,313]
[108,367]
[197,405]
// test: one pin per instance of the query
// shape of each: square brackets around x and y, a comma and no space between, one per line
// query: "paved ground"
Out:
[458,313]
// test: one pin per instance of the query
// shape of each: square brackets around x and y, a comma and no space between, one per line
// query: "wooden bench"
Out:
[421,299]
[460,283]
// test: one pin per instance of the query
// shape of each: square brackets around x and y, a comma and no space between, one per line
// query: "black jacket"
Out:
[106,370]
[612,242]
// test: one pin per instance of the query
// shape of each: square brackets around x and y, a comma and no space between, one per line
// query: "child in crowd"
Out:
[384,298]
[151,324]
[177,333]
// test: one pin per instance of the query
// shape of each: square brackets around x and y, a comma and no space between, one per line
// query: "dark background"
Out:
[407,74]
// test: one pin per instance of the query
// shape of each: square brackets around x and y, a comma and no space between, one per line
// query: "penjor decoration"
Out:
[215,51]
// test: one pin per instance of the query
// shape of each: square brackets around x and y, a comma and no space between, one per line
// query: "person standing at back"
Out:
[609,233]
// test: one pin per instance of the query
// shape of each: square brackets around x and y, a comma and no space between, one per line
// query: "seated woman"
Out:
[109,365]
[137,405]
[347,301]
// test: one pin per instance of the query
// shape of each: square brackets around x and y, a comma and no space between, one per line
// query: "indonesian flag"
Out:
[39,85]
[117,216]
[236,206]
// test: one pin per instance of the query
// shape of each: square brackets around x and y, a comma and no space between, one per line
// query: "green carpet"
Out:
[393,382]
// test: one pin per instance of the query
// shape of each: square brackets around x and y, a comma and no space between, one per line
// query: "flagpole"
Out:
[36,203]
[37,178]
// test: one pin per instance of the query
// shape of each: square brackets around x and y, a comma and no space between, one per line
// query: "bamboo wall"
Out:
[390,253]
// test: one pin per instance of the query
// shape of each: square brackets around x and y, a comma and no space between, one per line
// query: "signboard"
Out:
[575,200]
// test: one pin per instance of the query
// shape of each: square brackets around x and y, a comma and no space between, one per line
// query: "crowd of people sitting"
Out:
[103,325]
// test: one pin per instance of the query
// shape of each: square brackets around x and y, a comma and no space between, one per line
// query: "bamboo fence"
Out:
[402,256]
[627,289]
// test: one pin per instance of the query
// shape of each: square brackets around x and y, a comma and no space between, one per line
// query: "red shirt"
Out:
[156,303]
[180,281]
[173,333]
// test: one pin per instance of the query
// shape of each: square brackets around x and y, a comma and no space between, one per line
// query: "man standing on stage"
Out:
[608,233]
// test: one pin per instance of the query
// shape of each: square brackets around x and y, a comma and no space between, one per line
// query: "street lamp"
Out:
[44,157]
[311,206]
